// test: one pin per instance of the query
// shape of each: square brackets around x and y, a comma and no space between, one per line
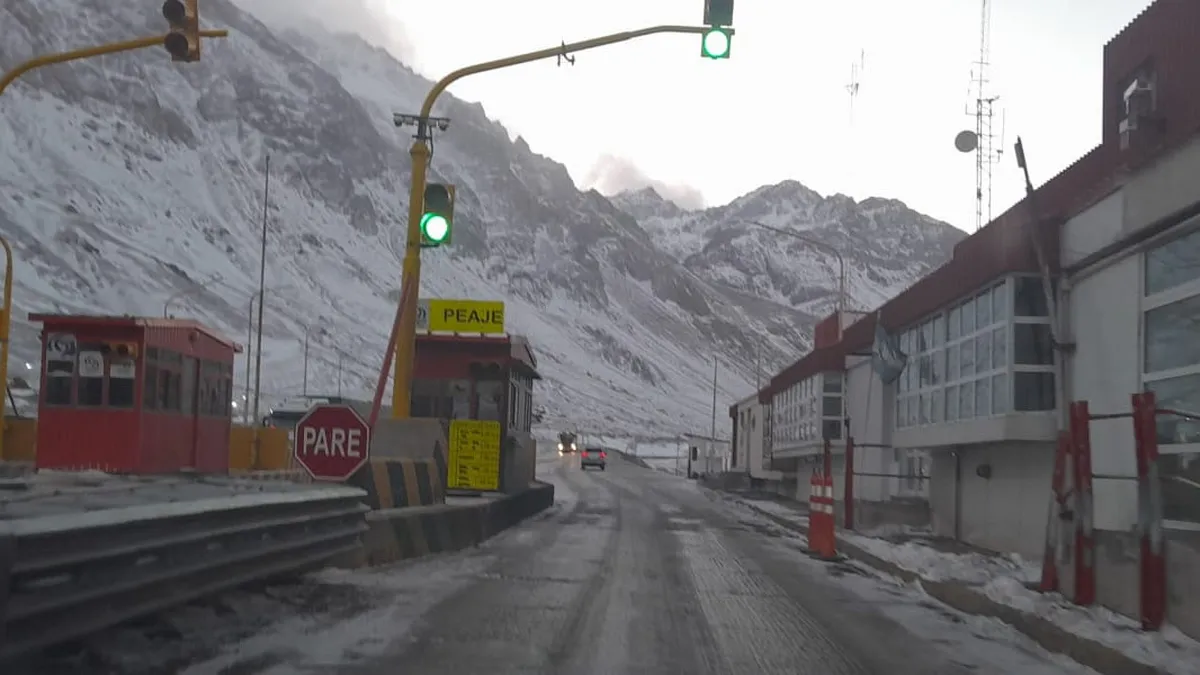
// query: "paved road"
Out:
[632,571]
[640,572]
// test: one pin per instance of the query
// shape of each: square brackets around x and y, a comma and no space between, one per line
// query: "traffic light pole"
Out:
[411,277]
[111,48]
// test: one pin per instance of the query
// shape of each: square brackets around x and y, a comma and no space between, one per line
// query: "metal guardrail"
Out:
[65,576]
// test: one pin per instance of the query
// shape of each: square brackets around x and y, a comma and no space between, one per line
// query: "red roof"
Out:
[520,351]
[130,321]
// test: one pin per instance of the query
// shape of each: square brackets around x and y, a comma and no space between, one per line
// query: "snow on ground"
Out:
[934,565]
[402,594]
[980,644]
[1004,579]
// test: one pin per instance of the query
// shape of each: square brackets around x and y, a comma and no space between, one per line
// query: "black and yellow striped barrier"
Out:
[397,483]
[411,533]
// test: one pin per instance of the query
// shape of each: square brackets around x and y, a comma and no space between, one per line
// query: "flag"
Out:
[886,358]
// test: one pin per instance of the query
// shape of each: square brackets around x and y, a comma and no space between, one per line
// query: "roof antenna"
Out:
[565,55]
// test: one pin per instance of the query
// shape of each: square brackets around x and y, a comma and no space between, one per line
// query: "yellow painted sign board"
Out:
[474,461]
[440,315]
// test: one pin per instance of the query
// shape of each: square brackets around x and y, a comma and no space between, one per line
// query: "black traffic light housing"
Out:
[439,202]
[183,36]
[718,12]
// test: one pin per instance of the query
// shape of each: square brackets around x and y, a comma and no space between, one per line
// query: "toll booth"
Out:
[458,377]
[133,395]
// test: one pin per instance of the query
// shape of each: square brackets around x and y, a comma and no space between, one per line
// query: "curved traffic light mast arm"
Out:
[407,316]
[824,246]
[111,48]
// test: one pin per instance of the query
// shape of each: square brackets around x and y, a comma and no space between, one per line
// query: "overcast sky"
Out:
[655,110]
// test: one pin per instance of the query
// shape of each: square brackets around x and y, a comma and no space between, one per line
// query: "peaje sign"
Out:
[438,315]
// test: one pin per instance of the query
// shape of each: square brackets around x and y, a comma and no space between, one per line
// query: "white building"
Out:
[993,358]
[749,439]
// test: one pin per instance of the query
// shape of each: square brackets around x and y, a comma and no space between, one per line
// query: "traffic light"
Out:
[715,44]
[438,217]
[718,16]
[183,37]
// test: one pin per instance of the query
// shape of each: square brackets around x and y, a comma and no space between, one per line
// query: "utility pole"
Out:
[712,437]
[339,374]
[262,280]
[305,385]
[249,355]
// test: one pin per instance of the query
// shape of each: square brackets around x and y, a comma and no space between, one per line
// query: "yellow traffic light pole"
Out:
[5,322]
[407,316]
[90,52]
[5,80]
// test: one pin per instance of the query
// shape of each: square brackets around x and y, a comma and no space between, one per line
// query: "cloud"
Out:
[369,19]
[612,175]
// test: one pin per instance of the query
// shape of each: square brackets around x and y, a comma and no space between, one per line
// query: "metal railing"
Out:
[69,575]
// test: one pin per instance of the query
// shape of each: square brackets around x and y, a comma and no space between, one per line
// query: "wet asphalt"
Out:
[634,572]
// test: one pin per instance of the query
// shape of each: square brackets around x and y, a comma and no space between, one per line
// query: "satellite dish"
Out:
[966,141]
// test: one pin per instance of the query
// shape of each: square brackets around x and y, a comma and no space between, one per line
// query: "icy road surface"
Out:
[632,571]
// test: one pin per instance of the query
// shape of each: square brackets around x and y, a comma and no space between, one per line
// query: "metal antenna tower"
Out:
[852,88]
[983,140]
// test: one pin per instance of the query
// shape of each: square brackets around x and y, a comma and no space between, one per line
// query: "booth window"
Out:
[90,385]
[167,381]
[442,399]
[489,399]
[60,375]
[122,382]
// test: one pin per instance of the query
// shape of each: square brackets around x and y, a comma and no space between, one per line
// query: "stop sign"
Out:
[332,442]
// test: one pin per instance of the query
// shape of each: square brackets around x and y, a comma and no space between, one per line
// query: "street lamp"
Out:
[202,286]
[817,243]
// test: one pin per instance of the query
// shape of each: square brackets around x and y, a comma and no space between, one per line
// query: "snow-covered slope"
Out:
[130,182]
[886,245]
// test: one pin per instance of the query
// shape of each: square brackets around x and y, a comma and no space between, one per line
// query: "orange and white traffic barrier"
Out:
[822,539]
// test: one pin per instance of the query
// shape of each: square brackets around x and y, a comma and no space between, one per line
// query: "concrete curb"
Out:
[400,534]
[1099,657]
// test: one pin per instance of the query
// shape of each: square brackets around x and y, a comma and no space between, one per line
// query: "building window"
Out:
[957,363]
[1170,324]
[808,412]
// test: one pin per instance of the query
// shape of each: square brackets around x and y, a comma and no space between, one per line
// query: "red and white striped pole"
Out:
[1153,573]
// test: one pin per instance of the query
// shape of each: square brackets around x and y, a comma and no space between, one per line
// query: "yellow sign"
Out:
[474,462]
[460,316]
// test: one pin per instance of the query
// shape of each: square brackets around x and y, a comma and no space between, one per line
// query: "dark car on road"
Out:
[593,457]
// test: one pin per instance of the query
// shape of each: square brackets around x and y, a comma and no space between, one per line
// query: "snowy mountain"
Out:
[886,245]
[130,184]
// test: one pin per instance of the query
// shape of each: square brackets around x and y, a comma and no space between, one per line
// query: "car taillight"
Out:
[583,453]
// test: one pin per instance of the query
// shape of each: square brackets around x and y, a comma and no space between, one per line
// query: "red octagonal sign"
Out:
[332,442]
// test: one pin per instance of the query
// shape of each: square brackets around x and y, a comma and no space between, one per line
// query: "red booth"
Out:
[479,378]
[133,395]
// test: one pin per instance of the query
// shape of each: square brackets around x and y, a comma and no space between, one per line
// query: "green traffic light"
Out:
[715,44]
[435,227]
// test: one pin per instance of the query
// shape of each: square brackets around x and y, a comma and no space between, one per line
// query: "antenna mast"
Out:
[987,154]
[856,69]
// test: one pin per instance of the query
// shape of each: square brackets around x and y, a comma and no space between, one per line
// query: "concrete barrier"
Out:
[20,439]
[397,483]
[274,449]
[399,534]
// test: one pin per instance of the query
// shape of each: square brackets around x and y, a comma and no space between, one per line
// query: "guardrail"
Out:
[69,575]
